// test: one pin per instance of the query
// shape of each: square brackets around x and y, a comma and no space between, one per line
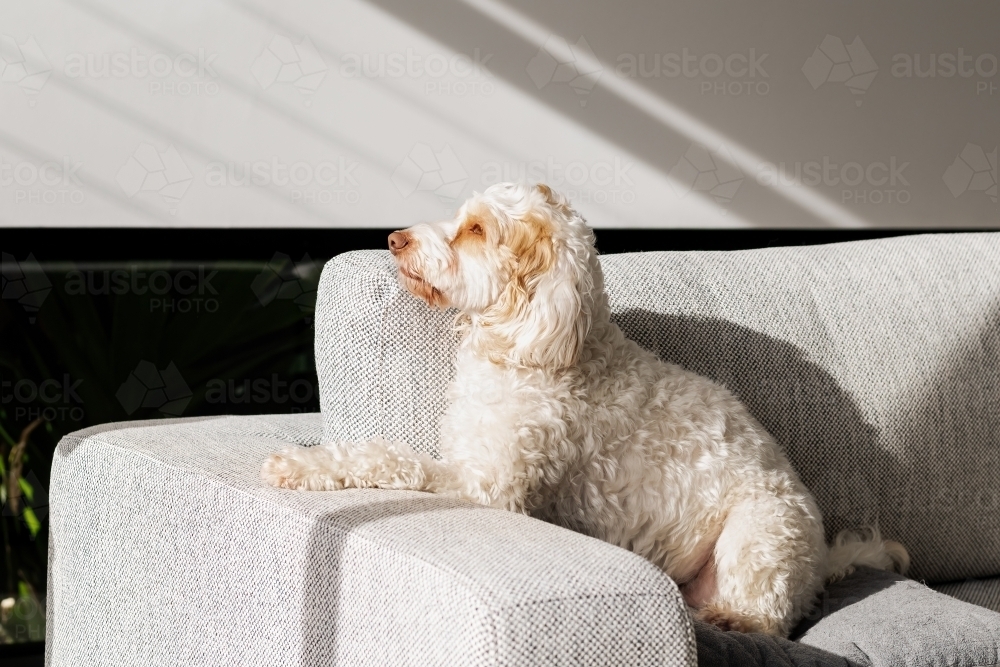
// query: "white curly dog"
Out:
[554,413]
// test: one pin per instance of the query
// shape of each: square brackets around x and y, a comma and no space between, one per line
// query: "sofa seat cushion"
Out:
[869,618]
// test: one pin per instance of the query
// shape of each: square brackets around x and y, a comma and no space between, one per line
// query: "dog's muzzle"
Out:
[398,242]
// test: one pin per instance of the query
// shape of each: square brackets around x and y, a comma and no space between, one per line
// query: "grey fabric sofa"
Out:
[876,364]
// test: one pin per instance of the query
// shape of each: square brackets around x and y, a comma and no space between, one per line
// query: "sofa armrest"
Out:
[167,549]
[383,358]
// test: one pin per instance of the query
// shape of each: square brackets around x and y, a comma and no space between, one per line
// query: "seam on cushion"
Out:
[143,423]
[474,588]
[156,423]
[97,438]
[867,658]
[76,438]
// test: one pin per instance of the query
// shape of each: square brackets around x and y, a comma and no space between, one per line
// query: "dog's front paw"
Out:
[279,469]
[304,468]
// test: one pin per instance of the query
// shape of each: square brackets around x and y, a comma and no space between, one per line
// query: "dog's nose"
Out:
[398,241]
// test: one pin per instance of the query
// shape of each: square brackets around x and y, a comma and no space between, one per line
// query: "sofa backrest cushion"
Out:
[875,364]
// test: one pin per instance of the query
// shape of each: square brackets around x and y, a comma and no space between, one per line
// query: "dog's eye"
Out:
[476,229]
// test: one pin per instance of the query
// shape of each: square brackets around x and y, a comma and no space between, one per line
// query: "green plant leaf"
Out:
[26,489]
[34,525]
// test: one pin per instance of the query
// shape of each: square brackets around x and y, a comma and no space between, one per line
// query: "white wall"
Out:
[472,91]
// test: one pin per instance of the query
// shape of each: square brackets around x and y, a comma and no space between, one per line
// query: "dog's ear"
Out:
[541,320]
[550,197]
[555,323]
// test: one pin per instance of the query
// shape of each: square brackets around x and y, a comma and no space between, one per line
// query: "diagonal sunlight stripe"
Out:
[658,108]
[453,120]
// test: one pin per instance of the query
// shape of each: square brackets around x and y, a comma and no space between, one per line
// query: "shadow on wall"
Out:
[644,123]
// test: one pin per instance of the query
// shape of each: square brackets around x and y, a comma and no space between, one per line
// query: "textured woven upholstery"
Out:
[982,592]
[879,618]
[876,364]
[868,619]
[166,549]
[383,357]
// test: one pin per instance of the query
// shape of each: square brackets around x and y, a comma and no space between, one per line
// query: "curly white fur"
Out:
[556,414]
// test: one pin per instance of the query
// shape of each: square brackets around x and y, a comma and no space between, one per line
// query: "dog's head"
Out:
[519,262]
